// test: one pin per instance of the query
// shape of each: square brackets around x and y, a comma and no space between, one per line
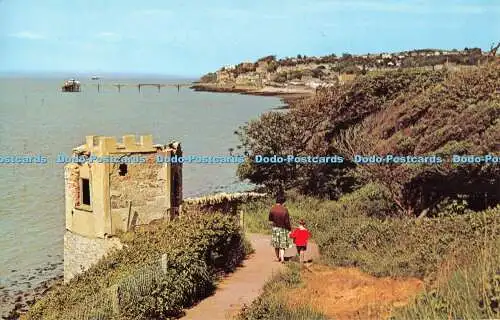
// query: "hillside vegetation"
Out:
[456,255]
[405,112]
[137,283]
[435,221]
[325,70]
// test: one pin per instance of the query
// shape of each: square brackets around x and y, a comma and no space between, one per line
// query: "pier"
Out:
[140,86]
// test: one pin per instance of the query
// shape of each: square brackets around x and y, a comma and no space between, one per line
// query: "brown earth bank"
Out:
[347,293]
[287,95]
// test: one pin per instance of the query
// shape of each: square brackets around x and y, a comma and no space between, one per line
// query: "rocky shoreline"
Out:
[21,293]
[287,95]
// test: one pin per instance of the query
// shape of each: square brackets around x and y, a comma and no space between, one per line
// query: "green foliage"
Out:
[272,67]
[210,77]
[472,291]
[271,305]
[280,77]
[269,58]
[405,112]
[268,136]
[449,207]
[457,253]
[133,280]
[349,232]
[294,74]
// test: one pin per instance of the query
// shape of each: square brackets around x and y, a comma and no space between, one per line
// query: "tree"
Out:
[209,77]
[267,58]
[271,135]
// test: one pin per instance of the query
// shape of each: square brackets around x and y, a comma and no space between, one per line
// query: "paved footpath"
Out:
[245,284]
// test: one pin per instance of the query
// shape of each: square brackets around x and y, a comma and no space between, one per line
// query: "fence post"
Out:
[164,263]
[242,220]
[115,299]
[129,212]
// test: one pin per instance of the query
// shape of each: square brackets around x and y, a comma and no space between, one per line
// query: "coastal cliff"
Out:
[302,76]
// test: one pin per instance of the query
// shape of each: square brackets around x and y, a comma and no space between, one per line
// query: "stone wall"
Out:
[142,190]
[81,252]
[72,182]
[227,203]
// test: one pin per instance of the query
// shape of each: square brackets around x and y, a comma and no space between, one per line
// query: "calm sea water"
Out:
[36,118]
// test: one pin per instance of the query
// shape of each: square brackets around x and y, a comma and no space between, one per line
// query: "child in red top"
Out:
[300,236]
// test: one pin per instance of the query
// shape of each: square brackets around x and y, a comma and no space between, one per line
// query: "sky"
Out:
[192,37]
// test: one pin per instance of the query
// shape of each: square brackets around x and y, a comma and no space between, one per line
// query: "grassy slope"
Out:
[196,250]
[426,248]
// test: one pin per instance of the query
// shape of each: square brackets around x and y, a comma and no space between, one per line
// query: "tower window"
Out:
[122,169]
[86,191]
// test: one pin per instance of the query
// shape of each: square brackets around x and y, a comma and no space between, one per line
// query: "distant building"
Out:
[345,78]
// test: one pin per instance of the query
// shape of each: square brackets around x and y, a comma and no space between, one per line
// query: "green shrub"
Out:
[471,292]
[133,280]
[403,246]
[210,77]
[355,231]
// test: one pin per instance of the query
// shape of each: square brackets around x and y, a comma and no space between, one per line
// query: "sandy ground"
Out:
[347,293]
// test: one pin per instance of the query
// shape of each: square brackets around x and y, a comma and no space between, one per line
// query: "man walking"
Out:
[280,227]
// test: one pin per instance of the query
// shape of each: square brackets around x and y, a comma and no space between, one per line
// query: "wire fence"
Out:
[108,303]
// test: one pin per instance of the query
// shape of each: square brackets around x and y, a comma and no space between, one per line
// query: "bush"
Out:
[472,291]
[457,253]
[279,77]
[403,246]
[133,281]
[355,231]
[210,77]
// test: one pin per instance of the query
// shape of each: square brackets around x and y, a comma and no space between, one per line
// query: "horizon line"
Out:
[108,74]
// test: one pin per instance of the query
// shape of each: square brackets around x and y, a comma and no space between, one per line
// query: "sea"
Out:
[36,118]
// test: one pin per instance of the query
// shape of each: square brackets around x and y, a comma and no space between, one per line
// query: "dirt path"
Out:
[349,294]
[245,284]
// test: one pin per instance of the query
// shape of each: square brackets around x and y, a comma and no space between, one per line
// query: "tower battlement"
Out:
[103,145]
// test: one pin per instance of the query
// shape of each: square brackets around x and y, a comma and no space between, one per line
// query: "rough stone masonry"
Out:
[105,198]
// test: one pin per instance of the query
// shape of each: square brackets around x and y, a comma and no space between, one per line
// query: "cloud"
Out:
[28,35]
[109,36]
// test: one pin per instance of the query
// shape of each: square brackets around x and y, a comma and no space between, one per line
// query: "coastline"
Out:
[287,95]
[34,284]
[17,303]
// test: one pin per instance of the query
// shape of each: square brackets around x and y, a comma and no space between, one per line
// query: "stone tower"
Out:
[112,187]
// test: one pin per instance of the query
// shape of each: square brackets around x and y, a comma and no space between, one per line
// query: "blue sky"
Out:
[192,37]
